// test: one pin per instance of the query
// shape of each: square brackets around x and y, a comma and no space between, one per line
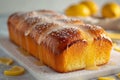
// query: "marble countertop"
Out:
[27,75]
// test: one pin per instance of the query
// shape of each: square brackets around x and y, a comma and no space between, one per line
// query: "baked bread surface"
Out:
[62,43]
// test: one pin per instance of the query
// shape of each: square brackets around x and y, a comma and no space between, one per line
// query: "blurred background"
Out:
[109,22]
[10,6]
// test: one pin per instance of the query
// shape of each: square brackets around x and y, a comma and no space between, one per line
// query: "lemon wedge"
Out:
[77,10]
[6,61]
[106,78]
[111,10]
[91,5]
[14,71]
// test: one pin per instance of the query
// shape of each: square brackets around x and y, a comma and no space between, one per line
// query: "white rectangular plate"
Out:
[46,73]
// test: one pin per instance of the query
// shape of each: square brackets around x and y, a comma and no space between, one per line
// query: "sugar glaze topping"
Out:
[45,17]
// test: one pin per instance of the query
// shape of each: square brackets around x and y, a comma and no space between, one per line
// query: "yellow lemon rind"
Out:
[14,71]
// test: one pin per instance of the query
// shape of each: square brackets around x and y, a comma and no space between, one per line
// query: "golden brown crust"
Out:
[62,43]
[40,29]
[66,36]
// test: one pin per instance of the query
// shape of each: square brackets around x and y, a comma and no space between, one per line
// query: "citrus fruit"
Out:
[77,10]
[111,10]
[91,5]
[14,71]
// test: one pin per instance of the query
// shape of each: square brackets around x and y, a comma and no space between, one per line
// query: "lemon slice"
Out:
[6,61]
[106,78]
[14,71]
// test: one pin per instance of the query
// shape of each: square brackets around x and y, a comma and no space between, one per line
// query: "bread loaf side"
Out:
[62,43]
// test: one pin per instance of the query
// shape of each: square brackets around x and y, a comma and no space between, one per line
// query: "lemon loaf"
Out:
[62,43]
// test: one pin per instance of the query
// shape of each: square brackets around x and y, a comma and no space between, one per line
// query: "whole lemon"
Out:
[111,10]
[91,5]
[77,10]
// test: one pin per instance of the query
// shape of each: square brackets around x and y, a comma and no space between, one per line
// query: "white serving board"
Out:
[46,73]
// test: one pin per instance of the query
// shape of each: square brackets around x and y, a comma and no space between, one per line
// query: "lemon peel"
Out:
[14,71]
[6,61]
[106,78]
